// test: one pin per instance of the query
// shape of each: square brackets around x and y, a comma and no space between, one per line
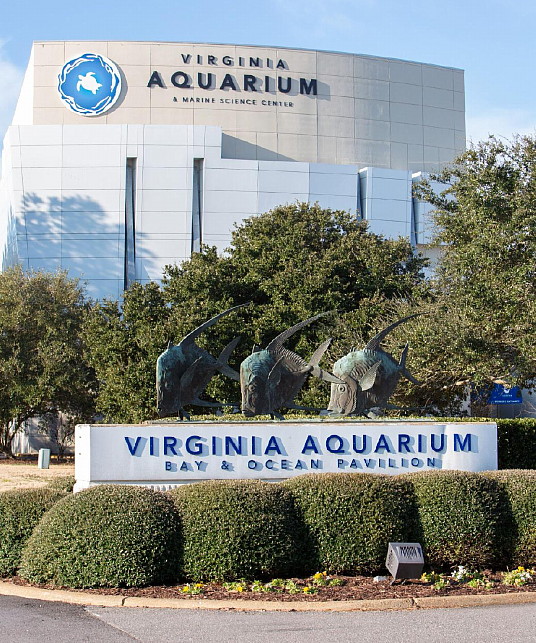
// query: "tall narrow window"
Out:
[414,234]
[130,223]
[197,205]
[359,204]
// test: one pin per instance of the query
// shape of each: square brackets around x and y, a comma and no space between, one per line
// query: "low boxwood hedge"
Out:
[519,489]
[105,536]
[516,440]
[62,483]
[226,530]
[462,518]
[238,528]
[20,511]
[350,518]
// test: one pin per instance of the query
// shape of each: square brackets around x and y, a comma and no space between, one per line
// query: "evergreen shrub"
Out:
[105,536]
[462,518]
[516,443]
[519,489]
[20,511]
[351,517]
[238,529]
[62,483]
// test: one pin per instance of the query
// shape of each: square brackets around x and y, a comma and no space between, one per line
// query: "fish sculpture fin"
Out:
[191,337]
[299,367]
[189,373]
[292,361]
[256,348]
[366,380]
[374,343]
[275,345]
[275,374]
[198,402]
[229,372]
[403,357]
[184,414]
[223,357]
[404,370]
[295,407]
[316,371]
[325,376]
[410,377]
[319,352]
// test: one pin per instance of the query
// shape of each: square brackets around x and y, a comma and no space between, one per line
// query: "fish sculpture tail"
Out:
[402,366]
[223,358]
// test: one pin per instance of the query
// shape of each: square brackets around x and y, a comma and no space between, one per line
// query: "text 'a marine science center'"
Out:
[124,157]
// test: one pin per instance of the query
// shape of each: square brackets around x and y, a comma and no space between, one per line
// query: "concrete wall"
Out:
[114,198]
[367,111]
[63,197]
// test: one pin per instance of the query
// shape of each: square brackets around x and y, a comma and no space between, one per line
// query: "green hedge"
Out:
[62,483]
[105,536]
[519,489]
[239,528]
[462,518]
[516,443]
[20,511]
[350,518]
[225,530]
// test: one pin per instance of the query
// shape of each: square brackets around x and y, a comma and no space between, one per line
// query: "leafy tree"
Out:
[481,323]
[291,263]
[41,365]
[122,345]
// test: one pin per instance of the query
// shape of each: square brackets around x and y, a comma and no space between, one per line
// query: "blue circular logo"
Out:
[90,84]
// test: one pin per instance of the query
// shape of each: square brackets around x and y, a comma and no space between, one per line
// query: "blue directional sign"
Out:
[503,395]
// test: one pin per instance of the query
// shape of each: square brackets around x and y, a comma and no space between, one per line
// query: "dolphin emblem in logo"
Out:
[88,82]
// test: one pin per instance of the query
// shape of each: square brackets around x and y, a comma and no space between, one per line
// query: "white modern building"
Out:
[123,157]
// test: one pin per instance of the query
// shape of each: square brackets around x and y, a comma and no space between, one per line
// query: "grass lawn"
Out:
[26,475]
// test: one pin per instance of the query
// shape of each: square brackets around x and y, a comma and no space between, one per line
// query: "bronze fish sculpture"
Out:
[184,370]
[370,376]
[271,378]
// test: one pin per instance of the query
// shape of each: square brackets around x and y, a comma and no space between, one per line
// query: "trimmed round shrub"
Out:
[237,529]
[519,489]
[462,518]
[62,483]
[105,536]
[351,518]
[20,511]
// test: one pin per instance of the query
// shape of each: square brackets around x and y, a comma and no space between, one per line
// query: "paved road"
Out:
[28,621]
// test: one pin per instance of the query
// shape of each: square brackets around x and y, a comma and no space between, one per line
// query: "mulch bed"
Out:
[354,588]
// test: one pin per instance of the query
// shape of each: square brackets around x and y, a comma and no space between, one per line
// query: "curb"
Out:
[383,604]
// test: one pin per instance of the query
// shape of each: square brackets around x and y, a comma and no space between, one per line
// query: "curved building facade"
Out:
[124,157]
